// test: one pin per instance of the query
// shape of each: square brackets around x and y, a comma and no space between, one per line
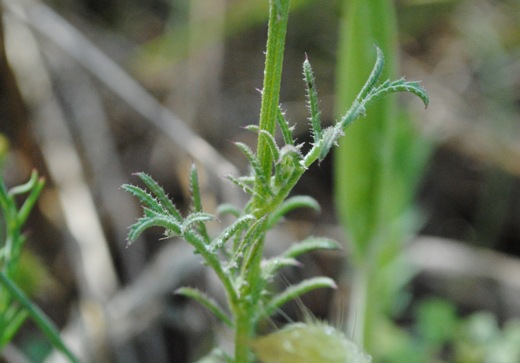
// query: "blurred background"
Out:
[92,91]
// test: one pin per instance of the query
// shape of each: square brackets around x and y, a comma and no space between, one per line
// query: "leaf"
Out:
[207,302]
[284,127]
[400,85]
[172,227]
[160,194]
[246,187]
[298,201]
[297,290]
[195,218]
[330,138]
[310,244]
[255,164]
[144,197]
[375,75]
[312,101]
[42,321]
[228,232]
[272,265]
[226,208]
[197,200]
[271,142]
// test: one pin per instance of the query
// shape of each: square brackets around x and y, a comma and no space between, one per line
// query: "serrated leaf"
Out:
[195,218]
[142,224]
[400,85]
[284,127]
[161,195]
[329,139]
[310,244]
[271,142]
[208,302]
[375,75]
[298,201]
[240,183]
[255,164]
[196,200]
[144,197]
[295,291]
[228,232]
[312,101]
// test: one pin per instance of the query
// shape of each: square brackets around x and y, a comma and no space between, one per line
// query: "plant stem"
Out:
[364,160]
[277,29]
[243,310]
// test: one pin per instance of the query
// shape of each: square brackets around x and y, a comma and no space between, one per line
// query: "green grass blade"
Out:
[42,321]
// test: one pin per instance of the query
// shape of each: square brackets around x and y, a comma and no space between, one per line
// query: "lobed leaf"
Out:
[208,302]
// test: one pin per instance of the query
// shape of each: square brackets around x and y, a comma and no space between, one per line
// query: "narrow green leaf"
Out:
[255,164]
[330,138]
[227,208]
[272,265]
[26,187]
[284,127]
[196,199]
[207,302]
[271,142]
[298,201]
[228,232]
[144,197]
[246,187]
[312,100]
[42,321]
[399,86]
[160,194]
[30,201]
[375,75]
[310,244]
[294,291]
[195,218]
[171,226]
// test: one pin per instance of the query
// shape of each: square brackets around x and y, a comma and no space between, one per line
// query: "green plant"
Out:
[15,306]
[236,254]
[377,167]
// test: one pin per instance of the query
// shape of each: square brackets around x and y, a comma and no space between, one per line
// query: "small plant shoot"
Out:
[236,254]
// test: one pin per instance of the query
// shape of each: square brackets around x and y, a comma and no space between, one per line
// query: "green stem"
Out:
[277,29]
[363,162]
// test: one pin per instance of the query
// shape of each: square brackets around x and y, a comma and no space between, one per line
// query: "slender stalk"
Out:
[364,160]
[277,29]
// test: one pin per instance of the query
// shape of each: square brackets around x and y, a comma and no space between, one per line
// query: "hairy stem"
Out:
[278,18]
